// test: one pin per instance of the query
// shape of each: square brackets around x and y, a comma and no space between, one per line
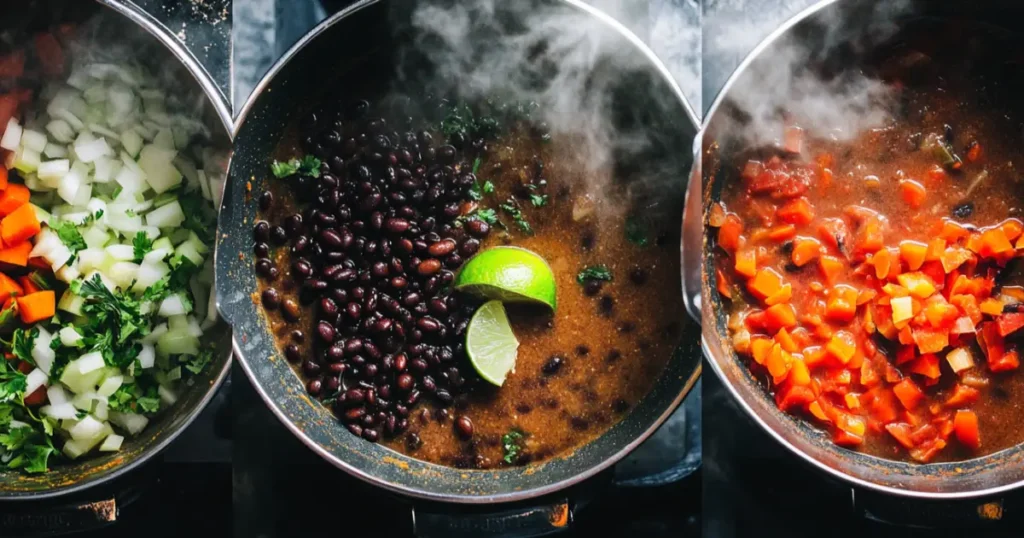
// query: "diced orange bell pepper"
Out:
[842,346]
[965,424]
[842,303]
[793,395]
[962,395]
[913,192]
[759,348]
[930,340]
[3,176]
[913,253]
[908,393]
[917,284]
[1009,323]
[784,294]
[9,288]
[830,267]
[994,242]
[746,262]
[805,250]
[730,235]
[722,284]
[785,340]
[780,316]
[926,365]
[797,211]
[766,282]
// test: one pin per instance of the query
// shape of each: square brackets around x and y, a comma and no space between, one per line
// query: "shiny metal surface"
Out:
[79,475]
[257,131]
[978,477]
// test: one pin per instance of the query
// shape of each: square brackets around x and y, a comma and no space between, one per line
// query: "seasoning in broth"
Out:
[358,258]
[873,283]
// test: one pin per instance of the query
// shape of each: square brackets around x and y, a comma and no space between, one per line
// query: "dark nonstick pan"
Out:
[977,477]
[123,23]
[362,43]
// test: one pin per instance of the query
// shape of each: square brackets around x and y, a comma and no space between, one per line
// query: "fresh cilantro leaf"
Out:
[122,398]
[512,208]
[71,237]
[594,272]
[12,382]
[474,193]
[143,245]
[114,322]
[476,165]
[150,403]
[307,166]
[31,449]
[539,200]
[22,342]
[488,187]
[487,215]
[510,444]
[636,232]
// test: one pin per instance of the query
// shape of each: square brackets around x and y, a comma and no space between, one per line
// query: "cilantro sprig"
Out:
[511,444]
[594,272]
[306,166]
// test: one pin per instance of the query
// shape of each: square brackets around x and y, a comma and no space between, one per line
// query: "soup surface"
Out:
[578,370]
[874,284]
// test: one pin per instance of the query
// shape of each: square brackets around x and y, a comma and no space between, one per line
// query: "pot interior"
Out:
[394,55]
[843,36]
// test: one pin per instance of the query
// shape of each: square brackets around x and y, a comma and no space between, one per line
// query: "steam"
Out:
[781,87]
[568,61]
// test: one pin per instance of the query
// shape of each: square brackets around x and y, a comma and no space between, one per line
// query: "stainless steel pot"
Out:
[123,22]
[348,44]
[978,477]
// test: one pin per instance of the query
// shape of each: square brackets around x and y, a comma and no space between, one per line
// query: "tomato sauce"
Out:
[875,284]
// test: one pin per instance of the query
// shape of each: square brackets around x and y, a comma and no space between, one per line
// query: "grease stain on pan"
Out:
[396,462]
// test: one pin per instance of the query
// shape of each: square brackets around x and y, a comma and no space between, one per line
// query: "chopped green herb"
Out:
[539,200]
[636,232]
[512,208]
[476,165]
[487,215]
[12,382]
[307,166]
[114,322]
[22,342]
[70,236]
[30,449]
[196,364]
[594,272]
[488,187]
[510,443]
[143,245]
[150,403]
[474,193]
[200,216]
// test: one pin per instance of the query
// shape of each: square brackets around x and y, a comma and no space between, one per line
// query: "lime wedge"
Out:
[490,344]
[508,274]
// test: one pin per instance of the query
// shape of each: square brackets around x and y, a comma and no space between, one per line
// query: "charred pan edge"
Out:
[59,483]
[456,485]
[897,476]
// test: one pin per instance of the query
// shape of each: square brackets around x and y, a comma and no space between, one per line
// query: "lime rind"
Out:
[490,343]
[510,274]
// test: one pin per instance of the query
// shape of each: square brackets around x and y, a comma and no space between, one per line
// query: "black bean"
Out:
[266,200]
[330,239]
[405,382]
[428,324]
[261,250]
[261,231]
[278,235]
[291,310]
[311,368]
[428,267]
[271,299]
[478,228]
[464,427]
[314,386]
[264,267]
[325,331]
[371,435]
[963,210]
[292,353]
[469,247]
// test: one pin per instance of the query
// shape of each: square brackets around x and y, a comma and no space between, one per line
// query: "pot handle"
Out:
[692,238]
[973,514]
[19,521]
[525,522]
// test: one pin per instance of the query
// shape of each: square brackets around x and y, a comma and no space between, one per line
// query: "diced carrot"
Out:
[730,235]
[19,225]
[962,395]
[935,249]
[994,242]
[830,267]
[917,284]
[3,177]
[953,257]
[37,306]
[782,233]
[913,192]
[746,262]
[870,238]
[852,401]
[1013,228]
[924,452]
[965,424]
[805,250]
[905,354]
[906,336]
[908,393]
[16,255]
[882,262]
[50,53]
[8,287]
[1010,322]
[766,282]
[12,65]
[834,232]
[814,356]
[759,348]
[797,211]
[842,346]
[952,231]
[865,296]
[13,197]
[785,340]
[793,395]
[815,409]
[778,363]
[784,294]
[926,365]
[722,283]
[780,316]
[930,340]
[842,303]
[799,374]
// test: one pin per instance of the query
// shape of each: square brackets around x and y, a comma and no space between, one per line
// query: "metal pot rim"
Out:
[738,398]
[416,492]
[153,28]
